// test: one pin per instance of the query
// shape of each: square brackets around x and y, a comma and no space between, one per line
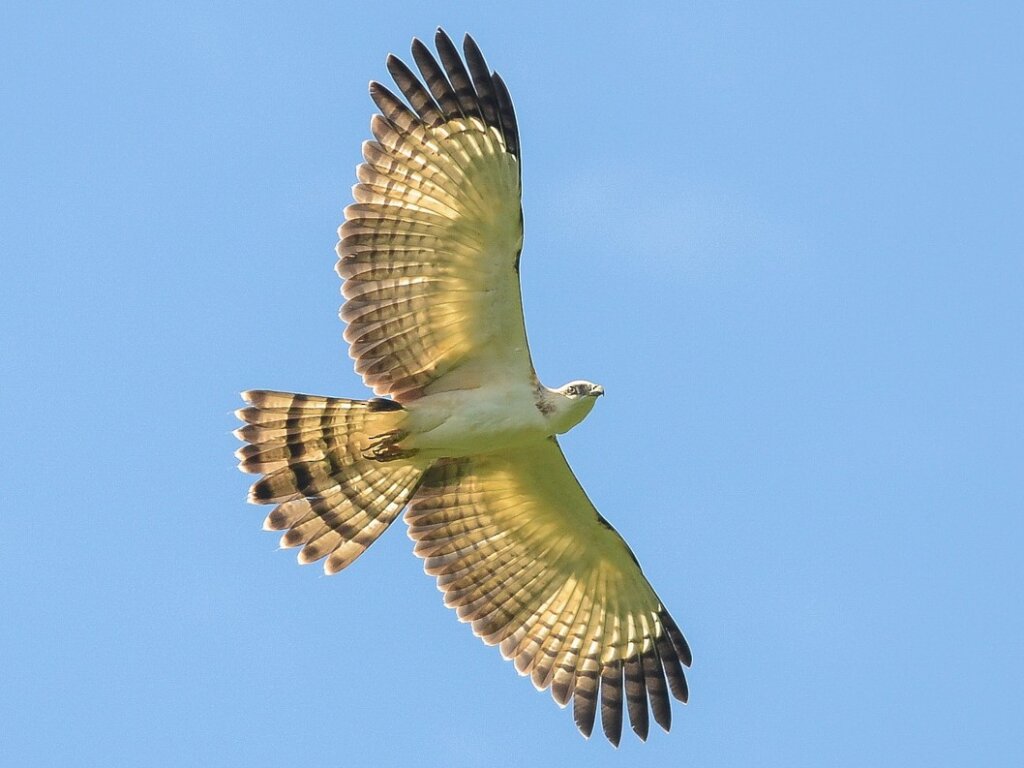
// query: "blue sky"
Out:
[786,238]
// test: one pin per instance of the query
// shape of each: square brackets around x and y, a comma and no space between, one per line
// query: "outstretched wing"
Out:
[430,250]
[520,551]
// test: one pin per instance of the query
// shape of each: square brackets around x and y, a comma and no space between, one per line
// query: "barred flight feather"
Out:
[611,700]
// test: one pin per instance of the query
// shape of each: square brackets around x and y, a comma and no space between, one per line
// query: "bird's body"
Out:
[462,435]
[498,416]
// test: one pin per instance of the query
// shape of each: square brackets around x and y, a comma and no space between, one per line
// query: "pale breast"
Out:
[468,422]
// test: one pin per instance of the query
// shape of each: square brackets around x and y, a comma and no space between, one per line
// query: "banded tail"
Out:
[332,468]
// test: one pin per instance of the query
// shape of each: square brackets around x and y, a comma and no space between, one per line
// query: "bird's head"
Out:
[580,390]
[572,403]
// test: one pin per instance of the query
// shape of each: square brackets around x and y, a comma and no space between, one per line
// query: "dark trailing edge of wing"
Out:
[450,89]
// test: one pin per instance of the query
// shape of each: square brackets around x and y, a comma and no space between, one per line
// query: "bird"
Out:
[459,432]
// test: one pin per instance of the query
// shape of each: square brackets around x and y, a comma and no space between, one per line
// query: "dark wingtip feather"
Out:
[459,78]
[391,106]
[482,82]
[673,669]
[440,35]
[676,635]
[657,689]
[584,702]
[611,702]
[436,81]
[509,127]
[636,696]
[414,91]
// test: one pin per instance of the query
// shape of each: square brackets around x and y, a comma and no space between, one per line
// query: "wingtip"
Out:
[471,49]
[395,65]
[666,726]
[443,38]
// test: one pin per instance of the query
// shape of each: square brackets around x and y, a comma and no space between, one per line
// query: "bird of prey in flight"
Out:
[461,434]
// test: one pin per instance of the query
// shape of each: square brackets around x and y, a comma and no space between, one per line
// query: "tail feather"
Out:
[317,457]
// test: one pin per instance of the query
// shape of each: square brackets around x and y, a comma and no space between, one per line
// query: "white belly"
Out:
[466,422]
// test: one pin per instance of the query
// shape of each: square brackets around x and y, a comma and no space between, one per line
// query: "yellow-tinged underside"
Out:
[519,551]
[428,254]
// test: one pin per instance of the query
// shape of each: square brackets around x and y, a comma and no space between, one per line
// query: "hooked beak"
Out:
[597,391]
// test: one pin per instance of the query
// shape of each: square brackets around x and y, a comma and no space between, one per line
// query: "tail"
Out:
[333,468]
